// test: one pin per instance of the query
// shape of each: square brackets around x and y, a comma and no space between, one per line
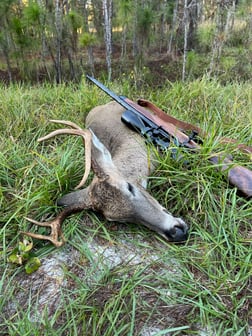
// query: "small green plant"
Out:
[22,255]
[87,40]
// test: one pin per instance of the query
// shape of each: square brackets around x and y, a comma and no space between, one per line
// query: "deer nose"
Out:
[178,233]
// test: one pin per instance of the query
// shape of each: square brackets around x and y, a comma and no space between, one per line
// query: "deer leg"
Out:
[56,236]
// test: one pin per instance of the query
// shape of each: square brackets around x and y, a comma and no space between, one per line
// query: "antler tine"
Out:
[86,135]
[56,236]
[67,123]
[79,132]
[56,233]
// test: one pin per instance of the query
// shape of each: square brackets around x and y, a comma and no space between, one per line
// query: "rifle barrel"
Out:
[117,98]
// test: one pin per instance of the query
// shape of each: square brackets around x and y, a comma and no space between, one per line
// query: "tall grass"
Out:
[210,287]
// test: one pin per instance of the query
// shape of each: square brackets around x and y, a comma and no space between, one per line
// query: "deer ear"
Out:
[76,197]
[102,162]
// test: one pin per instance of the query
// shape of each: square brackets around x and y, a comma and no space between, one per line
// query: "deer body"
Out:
[121,164]
[127,148]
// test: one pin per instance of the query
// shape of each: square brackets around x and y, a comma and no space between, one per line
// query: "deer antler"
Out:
[86,134]
[55,224]
[56,236]
[67,123]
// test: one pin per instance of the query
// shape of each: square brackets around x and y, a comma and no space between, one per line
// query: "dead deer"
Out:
[121,164]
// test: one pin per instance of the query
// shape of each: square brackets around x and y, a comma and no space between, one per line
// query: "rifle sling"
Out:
[184,126]
[169,127]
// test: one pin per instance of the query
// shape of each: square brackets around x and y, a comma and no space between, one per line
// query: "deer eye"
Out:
[131,189]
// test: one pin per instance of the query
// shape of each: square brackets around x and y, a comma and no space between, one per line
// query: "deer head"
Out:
[111,194]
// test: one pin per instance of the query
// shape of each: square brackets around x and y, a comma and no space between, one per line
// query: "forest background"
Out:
[148,41]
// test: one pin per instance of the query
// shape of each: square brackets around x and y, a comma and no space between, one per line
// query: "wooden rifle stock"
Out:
[238,176]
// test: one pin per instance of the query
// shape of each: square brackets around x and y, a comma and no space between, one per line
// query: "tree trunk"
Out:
[185,21]
[192,23]
[5,46]
[123,43]
[219,37]
[58,24]
[83,4]
[230,19]
[7,59]
[44,49]
[135,46]
[174,23]
[91,59]
[107,9]
[97,14]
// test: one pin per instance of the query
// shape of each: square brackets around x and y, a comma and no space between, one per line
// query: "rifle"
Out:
[162,129]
